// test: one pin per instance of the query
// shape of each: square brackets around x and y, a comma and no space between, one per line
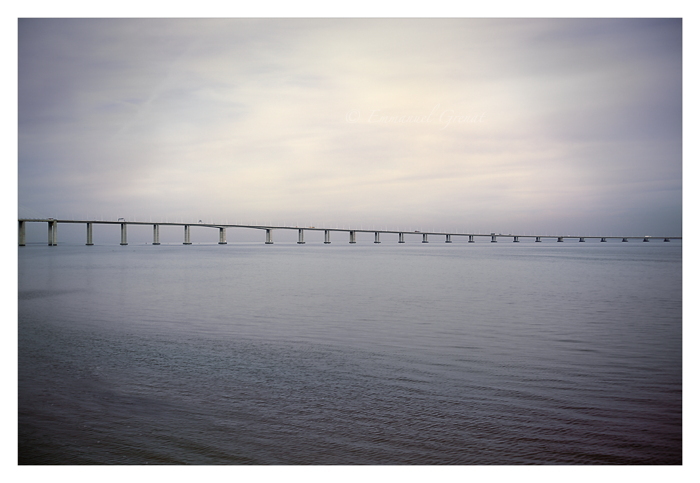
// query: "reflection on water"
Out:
[338,354]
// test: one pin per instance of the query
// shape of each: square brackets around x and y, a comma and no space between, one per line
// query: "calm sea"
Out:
[529,353]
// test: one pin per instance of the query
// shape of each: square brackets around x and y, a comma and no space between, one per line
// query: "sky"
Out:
[531,126]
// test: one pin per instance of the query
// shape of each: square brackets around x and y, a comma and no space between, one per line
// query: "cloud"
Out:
[523,123]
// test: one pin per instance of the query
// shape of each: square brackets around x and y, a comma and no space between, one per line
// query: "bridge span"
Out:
[352,233]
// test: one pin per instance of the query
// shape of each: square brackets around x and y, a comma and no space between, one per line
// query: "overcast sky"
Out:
[547,126]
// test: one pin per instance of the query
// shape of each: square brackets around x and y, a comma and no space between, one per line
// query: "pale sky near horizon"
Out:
[509,125]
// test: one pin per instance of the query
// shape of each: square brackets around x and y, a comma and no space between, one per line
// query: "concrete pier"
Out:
[352,237]
[268,236]
[425,238]
[326,236]
[471,238]
[493,238]
[301,237]
[22,234]
[187,236]
[53,233]
[156,234]
[515,239]
[560,239]
[538,239]
[401,240]
[222,236]
[89,234]
[376,237]
[448,238]
[123,242]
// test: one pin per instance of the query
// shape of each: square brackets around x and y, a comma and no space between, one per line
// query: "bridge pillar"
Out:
[646,239]
[352,236]
[667,239]
[493,238]
[471,238]
[326,236]
[448,238]
[515,239]
[401,240]
[89,234]
[581,239]
[222,236]
[603,239]
[268,236]
[560,239]
[624,239]
[187,236]
[425,238]
[22,234]
[538,239]
[301,237]
[376,237]
[156,234]
[53,233]
[123,242]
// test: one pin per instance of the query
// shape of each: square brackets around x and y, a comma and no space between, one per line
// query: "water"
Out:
[351,354]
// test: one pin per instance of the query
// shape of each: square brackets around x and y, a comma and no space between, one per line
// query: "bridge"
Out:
[352,233]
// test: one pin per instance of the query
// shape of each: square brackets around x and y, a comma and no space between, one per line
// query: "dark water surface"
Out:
[351,354]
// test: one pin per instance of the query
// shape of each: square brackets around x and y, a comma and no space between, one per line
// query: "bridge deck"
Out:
[336,229]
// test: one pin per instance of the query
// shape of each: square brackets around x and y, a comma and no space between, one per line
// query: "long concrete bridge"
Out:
[352,233]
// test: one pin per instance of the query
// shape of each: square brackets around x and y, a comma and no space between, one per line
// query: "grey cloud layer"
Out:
[552,123]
